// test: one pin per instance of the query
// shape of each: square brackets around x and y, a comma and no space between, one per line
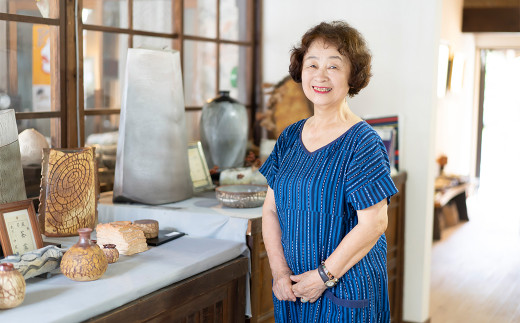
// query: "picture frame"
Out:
[19,230]
[199,170]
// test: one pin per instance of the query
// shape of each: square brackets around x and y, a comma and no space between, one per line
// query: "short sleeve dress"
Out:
[317,194]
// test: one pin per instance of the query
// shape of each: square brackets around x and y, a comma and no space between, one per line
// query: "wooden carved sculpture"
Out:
[69,191]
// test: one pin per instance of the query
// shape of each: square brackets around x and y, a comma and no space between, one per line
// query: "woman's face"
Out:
[325,75]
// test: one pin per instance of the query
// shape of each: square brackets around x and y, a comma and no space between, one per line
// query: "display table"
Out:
[59,299]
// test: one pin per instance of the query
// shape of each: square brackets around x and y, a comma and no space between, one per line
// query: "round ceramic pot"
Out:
[84,261]
[12,286]
[111,253]
[223,132]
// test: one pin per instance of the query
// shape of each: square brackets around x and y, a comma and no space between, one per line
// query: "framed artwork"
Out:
[199,170]
[388,129]
[19,231]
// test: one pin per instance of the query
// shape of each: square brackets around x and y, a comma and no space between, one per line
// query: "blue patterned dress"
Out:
[317,195]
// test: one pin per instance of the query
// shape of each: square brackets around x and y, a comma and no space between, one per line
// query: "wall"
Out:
[455,137]
[403,36]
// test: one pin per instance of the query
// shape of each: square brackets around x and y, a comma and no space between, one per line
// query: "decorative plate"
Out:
[241,195]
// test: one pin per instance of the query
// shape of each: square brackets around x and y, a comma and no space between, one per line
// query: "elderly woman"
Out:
[325,213]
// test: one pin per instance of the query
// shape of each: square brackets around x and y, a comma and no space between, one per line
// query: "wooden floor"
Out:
[476,265]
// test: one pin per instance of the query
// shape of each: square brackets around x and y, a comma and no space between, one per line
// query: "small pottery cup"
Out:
[111,252]
[12,286]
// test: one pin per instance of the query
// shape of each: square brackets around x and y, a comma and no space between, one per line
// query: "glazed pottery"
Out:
[12,286]
[223,132]
[84,261]
[36,262]
[152,150]
[111,253]
[150,227]
[12,186]
[69,191]
[32,144]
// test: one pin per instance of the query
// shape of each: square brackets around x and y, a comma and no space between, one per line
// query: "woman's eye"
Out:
[332,67]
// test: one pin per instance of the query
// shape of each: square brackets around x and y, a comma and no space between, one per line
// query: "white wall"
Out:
[455,136]
[403,36]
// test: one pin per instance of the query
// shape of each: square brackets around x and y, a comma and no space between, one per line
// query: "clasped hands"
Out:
[307,286]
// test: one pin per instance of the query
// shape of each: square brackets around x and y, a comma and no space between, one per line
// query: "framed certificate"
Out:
[19,231]
[199,171]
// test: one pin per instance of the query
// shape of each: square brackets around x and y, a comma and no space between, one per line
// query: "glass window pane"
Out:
[113,13]
[199,72]
[236,70]
[42,8]
[104,63]
[200,18]
[192,125]
[160,10]
[234,22]
[95,125]
[152,42]
[48,127]
[29,71]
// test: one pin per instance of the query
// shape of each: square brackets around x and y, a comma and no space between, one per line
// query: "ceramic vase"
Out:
[111,253]
[69,191]
[12,186]
[12,286]
[223,132]
[152,150]
[84,261]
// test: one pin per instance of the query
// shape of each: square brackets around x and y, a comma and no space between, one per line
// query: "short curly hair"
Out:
[349,43]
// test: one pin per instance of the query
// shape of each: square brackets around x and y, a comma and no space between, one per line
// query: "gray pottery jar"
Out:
[223,132]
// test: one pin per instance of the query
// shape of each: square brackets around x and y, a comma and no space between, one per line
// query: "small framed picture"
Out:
[19,231]
[199,171]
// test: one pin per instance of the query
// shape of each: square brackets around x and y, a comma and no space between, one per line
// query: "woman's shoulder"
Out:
[364,135]
[292,131]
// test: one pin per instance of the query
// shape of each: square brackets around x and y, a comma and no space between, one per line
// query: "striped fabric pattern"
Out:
[317,194]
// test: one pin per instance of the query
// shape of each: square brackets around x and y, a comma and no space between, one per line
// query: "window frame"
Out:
[72,112]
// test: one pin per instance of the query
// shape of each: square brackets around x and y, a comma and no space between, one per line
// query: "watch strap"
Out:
[322,273]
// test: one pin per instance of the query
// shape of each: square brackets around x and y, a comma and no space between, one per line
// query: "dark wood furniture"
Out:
[216,295]
[443,198]
[395,248]
[261,279]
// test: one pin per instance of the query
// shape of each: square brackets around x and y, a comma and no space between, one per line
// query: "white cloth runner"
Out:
[59,299]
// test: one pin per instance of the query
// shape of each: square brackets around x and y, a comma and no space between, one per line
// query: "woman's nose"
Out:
[322,74]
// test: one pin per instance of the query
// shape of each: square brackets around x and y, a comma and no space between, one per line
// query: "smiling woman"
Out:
[325,212]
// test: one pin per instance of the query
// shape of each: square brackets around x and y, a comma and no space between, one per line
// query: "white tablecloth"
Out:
[59,299]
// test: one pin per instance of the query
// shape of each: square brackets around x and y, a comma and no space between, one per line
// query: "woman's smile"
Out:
[320,89]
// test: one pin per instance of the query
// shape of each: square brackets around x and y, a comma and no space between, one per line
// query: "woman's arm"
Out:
[372,223]
[282,284]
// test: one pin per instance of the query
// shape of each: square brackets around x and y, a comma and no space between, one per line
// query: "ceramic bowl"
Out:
[241,195]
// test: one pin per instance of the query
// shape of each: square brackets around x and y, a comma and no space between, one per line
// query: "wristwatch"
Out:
[326,276]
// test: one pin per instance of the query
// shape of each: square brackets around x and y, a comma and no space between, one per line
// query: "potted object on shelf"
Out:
[12,286]
[84,261]
[111,252]
[12,187]
[223,132]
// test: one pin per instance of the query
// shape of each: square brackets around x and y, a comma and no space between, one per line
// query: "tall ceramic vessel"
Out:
[69,191]
[152,150]
[223,132]
[84,261]
[12,187]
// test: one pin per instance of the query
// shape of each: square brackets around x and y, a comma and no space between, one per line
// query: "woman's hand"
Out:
[282,286]
[308,286]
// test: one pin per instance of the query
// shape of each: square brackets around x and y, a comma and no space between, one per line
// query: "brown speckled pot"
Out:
[12,286]
[84,261]
[111,252]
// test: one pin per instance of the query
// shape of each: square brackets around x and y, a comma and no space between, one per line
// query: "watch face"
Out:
[330,283]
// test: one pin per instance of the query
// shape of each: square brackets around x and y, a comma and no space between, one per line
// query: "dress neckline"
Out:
[326,145]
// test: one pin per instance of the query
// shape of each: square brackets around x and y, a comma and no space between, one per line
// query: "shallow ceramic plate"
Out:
[241,195]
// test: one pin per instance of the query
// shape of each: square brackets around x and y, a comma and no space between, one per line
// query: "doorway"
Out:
[499,147]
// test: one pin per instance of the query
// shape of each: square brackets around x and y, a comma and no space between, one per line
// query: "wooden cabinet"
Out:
[395,249]
[261,279]
[216,295]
